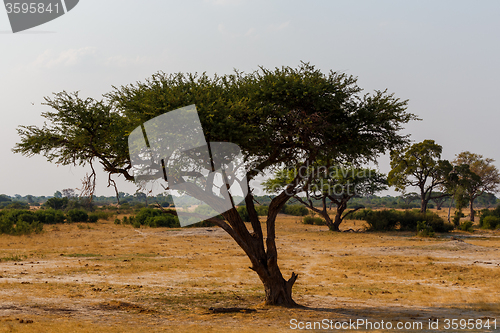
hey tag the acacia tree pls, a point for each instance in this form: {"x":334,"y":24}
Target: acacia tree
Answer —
{"x":408,"y":198}
{"x":286,"y":116}
{"x":439,"y":199}
{"x":329,"y":185}
{"x":489,"y":177}
{"x":419,"y":165}
{"x":458,"y":180}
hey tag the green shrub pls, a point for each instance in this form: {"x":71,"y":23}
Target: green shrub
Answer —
{"x":105,"y":215}
{"x":467,"y":226}
{"x":424,"y":230}
{"x":491,"y":222}
{"x":56,"y":203}
{"x":386,"y":220}
{"x":19,"y":222}
{"x":242,"y":210}
{"x":155,"y":218}
{"x":77,"y":215}
{"x":50,"y":216}
{"x":262,"y":210}
{"x":295,"y":210}
{"x":18,"y":205}
{"x":93,"y":217}
{"x":360,"y":214}
{"x":165,"y":220}
{"x":117,"y":221}
{"x":313,"y":220}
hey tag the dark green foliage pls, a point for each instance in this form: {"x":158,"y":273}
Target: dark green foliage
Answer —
{"x":78,"y":215}
{"x":57,"y":203}
{"x":386,"y":220}
{"x":424,"y":230}
{"x":491,"y":222}
{"x":490,"y":219}
{"x":19,"y":222}
{"x":93,"y":217}
{"x":295,"y":210}
{"x":467,"y":226}
{"x":17,"y":205}
{"x":50,"y":216}
{"x":262,"y":210}
{"x":117,"y":221}
{"x":155,"y":218}
{"x":313,"y":220}
{"x":242,"y":210}
{"x":102,"y":215}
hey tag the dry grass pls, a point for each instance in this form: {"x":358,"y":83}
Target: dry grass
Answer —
{"x":116,"y":278}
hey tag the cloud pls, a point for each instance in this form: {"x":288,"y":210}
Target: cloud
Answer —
{"x":67,"y":58}
{"x":279,"y":27}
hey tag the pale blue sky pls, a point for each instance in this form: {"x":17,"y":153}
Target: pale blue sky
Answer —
{"x":441,"y":55}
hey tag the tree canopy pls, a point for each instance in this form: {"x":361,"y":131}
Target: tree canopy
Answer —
{"x":281,"y":117}
{"x":488,"y":177}
{"x":419,"y":165}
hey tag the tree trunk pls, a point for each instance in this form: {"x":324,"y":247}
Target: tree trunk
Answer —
{"x":338,"y":216}
{"x":278,"y":290}
{"x":423,"y":205}
{"x":338,"y":220}
{"x":471,"y":207}
{"x":265,"y":263}
{"x":449,"y":210}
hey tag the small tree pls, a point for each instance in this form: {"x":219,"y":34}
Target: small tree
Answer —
{"x":419,"y":165}
{"x":439,"y":199}
{"x":68,"y":193}
{"x":457,"y":181}
{"x":408,"y":198}
{"x":330,"y":185}
{"x":488,"y":174}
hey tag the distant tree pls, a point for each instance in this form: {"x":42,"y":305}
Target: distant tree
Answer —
{"x":142,"y":197}
{"x":408,"y":198}
{"x":5,"y":198}
{"x":486,"y":200}
{"x":419,"y":165}
{"x":329,"y":185}
{"x":57,"y":203}
{"x":68,"y":193}
{"x":488,"y":174}
{"x":439,"y":199}
{"x":58,"y":194}
{"x":30,"y":199}
{"x":457,"y":181}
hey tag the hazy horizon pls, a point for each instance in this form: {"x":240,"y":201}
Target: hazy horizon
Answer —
{"x":441,"y":56}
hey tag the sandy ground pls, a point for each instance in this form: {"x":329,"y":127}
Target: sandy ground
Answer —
{"x":106,"y":277}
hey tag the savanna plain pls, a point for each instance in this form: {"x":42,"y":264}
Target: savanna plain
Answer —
{"x":96,"y":277}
